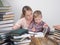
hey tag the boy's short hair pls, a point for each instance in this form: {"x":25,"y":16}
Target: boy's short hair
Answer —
{"x":37,"y":13}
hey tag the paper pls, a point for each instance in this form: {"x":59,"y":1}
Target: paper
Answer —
{"x":37,"y":34}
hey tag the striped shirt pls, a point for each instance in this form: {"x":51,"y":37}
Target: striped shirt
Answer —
{"x":38,"y":28}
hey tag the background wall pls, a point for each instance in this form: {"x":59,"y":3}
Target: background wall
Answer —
{"x":50,"y":9}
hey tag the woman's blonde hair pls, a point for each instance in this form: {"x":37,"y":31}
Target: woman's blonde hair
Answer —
{"x":24,"y":9}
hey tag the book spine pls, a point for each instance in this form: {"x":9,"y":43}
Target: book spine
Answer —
{"x":9,"y":28}
{"x":6,"y":25}
{"x":5,"y":22}
{"x":6,"y":18}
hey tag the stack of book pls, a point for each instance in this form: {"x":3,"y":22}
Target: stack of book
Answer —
{"x":6,"y":18}
{"x":22,"y":40}
{"x":55,"y":36}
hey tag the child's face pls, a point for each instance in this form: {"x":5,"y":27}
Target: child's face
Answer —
{"x":38,"y":19}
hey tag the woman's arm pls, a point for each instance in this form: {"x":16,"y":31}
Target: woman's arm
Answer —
{"x":17,"y":25}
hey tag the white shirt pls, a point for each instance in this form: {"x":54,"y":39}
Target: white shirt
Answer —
{"x":22,"y":22}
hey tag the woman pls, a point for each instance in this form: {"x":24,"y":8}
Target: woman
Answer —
{"x":26,"y":19}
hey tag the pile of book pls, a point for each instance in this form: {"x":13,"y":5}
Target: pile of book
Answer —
{"x":6,"y":18}
{"x":55,"y":36}
{"x":22,"y":40}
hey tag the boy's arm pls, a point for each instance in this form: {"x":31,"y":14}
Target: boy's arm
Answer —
{"x":48,"y":28}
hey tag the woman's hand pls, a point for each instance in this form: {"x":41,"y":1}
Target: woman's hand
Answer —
{"x":16,"y":27}
{"x":56,"y":27}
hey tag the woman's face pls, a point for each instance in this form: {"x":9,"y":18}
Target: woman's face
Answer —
{"x":29,"y":15}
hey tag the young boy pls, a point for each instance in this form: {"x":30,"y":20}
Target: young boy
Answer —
{"x":38,"y":25}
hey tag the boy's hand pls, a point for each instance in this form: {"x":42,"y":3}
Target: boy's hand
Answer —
{"x":33,"y":29}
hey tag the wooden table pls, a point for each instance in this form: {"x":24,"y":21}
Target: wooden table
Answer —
{"x":42,"y":41}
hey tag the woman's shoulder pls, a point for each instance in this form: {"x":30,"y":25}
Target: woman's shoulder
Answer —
{"x":21,"y":19}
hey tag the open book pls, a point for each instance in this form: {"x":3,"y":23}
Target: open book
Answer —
{"x":37,"y":34}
